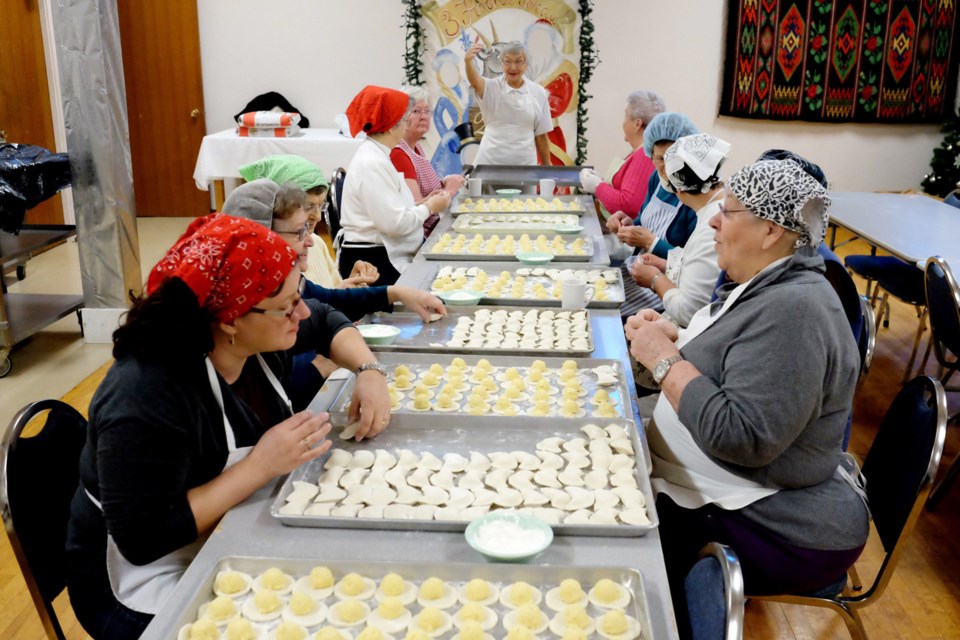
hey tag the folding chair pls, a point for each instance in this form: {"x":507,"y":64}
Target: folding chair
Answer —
{"x":943,"y":302}
{"x":40,"y":475}
{"x":334,"y":201}
{"x":714,"y":589}
{"x":899,"y":469}
{"x":893,"y":277}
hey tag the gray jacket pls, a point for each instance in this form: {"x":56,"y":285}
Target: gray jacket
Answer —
{"x":779,"y":371}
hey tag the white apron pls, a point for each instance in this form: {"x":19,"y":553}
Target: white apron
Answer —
{"x":508,"y":136}
{"x":680,"y":468}
{"x":145,"y":588}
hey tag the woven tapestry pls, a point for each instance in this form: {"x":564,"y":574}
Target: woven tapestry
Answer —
{"x":888,"y":61}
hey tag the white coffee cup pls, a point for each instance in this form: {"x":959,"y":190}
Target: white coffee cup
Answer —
{"x":475,"y":186}
{"x":547,"y":186}
{"x":574,"y":294}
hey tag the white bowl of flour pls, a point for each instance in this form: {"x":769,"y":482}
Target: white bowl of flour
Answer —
{"x":509,"y":536}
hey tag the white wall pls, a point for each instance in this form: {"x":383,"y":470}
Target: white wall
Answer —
{"x":319,"y":53}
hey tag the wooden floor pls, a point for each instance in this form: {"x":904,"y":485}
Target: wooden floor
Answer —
{"x":920,"y":602}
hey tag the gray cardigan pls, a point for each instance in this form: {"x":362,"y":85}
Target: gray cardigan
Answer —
{"x":779,"y":370}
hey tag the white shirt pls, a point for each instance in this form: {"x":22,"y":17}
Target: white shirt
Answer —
{"x":697,"y":271}
{"x":378,"y":208}
{"x":512,"y":117}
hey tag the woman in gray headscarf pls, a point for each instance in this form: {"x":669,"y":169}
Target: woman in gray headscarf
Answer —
{"x":746,"y":436}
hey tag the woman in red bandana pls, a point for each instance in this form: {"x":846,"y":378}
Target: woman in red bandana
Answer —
{"x":171,"y":444}
{"x":382,"y":223}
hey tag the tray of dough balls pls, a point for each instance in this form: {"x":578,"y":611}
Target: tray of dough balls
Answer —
{"x":516,"y":204}
{"x":494,"y":247}
{"x":486,"y":330}
{"x":539,"y":286}
{"x":584,"y":477}
{"x":499,"y":386}
{"x":513,"y":222}
{"x":290,"y":599}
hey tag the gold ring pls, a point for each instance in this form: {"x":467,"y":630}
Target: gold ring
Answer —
{"x":385,"y":421}
{"x":306,"y":445}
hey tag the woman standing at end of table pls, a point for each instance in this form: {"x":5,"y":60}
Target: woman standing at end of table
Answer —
{"x":516,"y":110}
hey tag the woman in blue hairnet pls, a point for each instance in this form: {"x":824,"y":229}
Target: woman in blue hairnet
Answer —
{"x":664,"y":222}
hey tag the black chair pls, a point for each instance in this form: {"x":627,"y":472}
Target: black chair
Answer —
{"x":334,"y":201}
{"x":892,"y":277}
{"x":899,"y":469}
{"x":714,"y":589}
{"x":943,"y":302}
{"x":40,"y":477}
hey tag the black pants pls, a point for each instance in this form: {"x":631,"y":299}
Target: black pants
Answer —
{"x":377,"y":256}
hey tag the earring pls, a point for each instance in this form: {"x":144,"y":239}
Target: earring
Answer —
{"x":233,"y":339}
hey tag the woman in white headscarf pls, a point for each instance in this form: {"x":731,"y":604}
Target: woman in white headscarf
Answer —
{"x":746,"y":436}
{"x":685,"y":280}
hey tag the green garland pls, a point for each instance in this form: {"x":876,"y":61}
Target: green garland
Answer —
{"x":589,"y":58}
{"x":413,"y":59}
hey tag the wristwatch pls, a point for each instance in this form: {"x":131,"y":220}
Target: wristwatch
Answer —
{"x":661,"y":369}
{"x":372,"y":366}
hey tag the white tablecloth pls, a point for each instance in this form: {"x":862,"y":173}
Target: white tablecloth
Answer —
{"x":223,"y":153}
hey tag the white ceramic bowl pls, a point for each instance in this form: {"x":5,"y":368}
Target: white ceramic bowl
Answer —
{"x":513,"y":520}
{"x":378,"y":334}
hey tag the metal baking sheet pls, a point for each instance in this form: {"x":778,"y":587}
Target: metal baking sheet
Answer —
{"x":513,"y":222}
{"x":544,"y":577}
{"x":428,"y":249}
{"x":615,"y":292}
{"x":465,"y":204}
{"x":518,"y":175}
{"x":417,"y":335}
{"x":439,"y":435}
{"x":420,"y":362}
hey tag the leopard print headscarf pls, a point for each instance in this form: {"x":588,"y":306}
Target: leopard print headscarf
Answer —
{"x":782,"y":192}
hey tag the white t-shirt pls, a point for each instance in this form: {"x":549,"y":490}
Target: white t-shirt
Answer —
{"x":512,"y":117}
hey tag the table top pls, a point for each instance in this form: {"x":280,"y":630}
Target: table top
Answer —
{"x":223,"y":153}
{"x":249,"y":530}
{"x":911,"y":227}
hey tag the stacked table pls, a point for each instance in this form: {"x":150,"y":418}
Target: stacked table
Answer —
{"x":253,"y":529}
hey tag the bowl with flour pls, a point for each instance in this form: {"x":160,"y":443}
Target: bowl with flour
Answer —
{"x":509,"y":536}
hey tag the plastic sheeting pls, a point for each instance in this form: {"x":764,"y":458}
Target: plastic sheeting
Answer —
{"x":87,"y":37}
{"x":28,"y":176}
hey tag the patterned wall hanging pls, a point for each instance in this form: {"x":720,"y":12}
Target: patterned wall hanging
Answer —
{"x":559,"y":40}
{"x":887,"y":61}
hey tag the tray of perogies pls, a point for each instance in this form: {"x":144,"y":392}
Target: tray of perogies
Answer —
{"x":281,"y":599}
{"x":493,"y":247}
{"x":538,"y":286}
{"x":485,"y":330}
{"x":582,"y":477}
{"x":498,"y":386}
{"x":534,"y":204}
{"x":513,"y":222}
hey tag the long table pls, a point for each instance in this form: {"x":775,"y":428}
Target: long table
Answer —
{"x":249,"y":530}
{"x":911,"y":227}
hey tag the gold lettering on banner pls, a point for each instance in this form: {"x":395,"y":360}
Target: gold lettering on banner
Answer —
{"x":453,"y":16}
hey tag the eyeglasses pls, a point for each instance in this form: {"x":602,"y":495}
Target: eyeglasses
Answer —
{"x":422,"y":112}
{"x":314,"y":207}
{"x":300,"y":233}
{"x":727,"y":212}
{"x":285,"y":313}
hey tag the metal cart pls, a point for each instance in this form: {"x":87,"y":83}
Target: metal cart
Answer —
{"x":23,"y":314}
